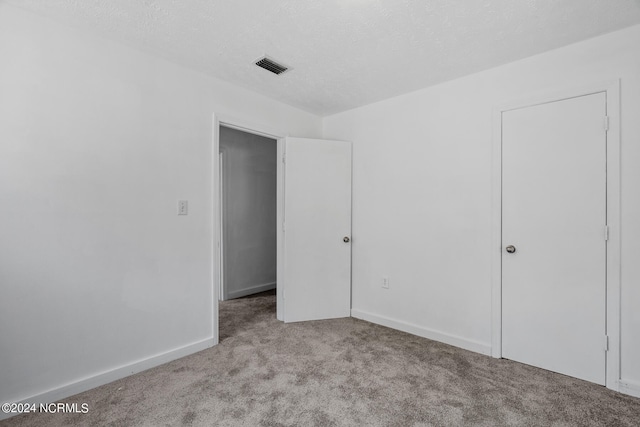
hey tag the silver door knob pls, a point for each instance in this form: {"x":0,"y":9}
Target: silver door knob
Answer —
{"x":511,"y":249}
{"x":346,"y":239}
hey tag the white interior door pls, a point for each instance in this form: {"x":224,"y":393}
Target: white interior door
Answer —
{"x":317,"y":229}
{"x":554,"y":215}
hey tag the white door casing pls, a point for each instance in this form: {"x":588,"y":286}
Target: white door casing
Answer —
{"x":317,"y":229}
{"x":221,"y":206}
{"x":554,"y":212}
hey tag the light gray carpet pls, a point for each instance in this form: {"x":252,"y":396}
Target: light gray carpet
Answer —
{"x":342,"y":372}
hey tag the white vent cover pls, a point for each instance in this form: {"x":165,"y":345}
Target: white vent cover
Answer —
{"x":271,"y":65}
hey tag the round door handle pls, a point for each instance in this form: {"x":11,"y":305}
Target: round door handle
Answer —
{"x":346,"y":239}
{"x":511,"y":249}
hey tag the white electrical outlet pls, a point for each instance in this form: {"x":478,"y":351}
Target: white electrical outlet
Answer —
{"x":385,"y":282}
{"x":183,"y":207}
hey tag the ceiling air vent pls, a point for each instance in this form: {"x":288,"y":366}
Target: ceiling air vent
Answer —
{"x":271,"y":65}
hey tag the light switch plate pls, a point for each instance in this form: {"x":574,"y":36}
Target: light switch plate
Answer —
{"x":183,"y":207}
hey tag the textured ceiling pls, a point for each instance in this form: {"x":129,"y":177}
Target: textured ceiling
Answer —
{"x":344,"y":53}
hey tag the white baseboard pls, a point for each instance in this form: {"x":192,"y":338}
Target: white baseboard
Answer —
{"x":102,"y":378}
{"x":632,"y":388}
{"x":400,"y":325}
{"x":251,"y":290}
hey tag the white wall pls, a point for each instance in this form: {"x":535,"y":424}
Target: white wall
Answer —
{"x":249,"y":218}
{"x":97,"y":143}
{"x":422,"y":193}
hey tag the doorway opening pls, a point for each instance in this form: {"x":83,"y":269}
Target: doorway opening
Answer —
{"x":313,"y":257}
{"x":248,"y":227}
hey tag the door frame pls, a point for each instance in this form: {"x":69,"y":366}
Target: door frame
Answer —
{"x":612,"y":319}
{"x":216,"y":283}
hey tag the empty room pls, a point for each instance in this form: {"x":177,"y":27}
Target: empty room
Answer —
{"x":320,"y":213}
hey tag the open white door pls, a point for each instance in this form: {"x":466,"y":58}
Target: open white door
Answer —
{"x":317,"y":229}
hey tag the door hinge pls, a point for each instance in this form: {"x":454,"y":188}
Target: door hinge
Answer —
{"x":606,"y":123}
{"x":284,"y":158}
{"x":283,"y":226}
{"x":606,"y":233}
{"x":606,"y":343}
